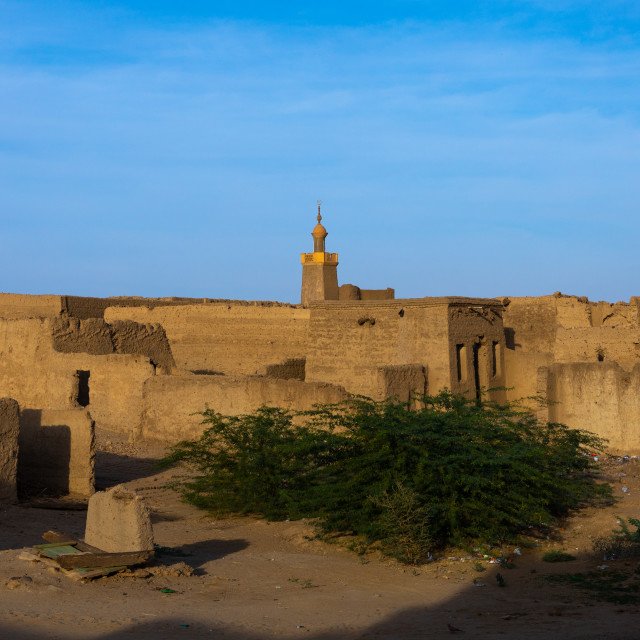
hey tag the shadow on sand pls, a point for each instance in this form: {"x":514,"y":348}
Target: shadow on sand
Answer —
{"x":112,"y":469}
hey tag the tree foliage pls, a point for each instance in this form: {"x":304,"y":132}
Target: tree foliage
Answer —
{"x":453,"y":472}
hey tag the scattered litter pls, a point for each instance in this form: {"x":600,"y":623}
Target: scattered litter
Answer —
{"x":167,"y":590}
{"x":624,"y":489}
{"x":453,"y":629}
{"x":602,"y":567}
{"x":80,"y":561}
{"x":517,"y":551}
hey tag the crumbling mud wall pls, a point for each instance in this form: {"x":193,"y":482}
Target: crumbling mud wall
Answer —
{"x":172,"y":404}
{"x":9,"y":433}
{"x":476,"y":349}
{"x":39,"y":377}
{"x":234,"y":339}
{"x":350,"y":341}
{"x":94,"y":336}
{"x":86,"y":307}
{"x":598,"y":396}
{"x":553,"y":329}
{"x":16,"y":306}
{"x":57,"y":452}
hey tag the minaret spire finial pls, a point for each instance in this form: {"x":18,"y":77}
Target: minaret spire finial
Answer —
{"x":319,"y":214}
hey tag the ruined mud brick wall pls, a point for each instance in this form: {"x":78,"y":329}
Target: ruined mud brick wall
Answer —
{"x":476,"y":349}
{"x":94,"y":336}
{"x":173,"y":403}
{"x":350,"y":342}
{"x":84,"y":307}
{"x":20,"y":306}
{"x":563,"y":329}
{"x":57,"y":452}
{"x":236,"y":339}
{"x":9,"y":432}
{"x":39,"y":377}
{"x":530,"y":328}
{"x":598,"y":396}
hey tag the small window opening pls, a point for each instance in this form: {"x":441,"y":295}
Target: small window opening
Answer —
{"x":401,"y":313}
{"x":461,"y":362}
{"x":83,"y":388}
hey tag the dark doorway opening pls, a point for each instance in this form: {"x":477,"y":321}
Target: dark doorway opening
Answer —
{"x":476,"y":370}
{"x":83,"y":388}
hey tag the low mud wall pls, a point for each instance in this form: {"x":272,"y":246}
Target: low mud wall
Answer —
{"x":173,"y":403}
{"x":57,"y":452}
{"x":599,"y":397}
{"x":235,"y":339}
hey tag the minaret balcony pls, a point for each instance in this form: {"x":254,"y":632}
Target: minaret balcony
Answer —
{"x":319,"y":257}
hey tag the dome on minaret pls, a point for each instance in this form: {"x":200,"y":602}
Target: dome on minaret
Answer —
{"x":319,"y":231}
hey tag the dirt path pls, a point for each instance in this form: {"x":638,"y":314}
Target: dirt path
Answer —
{"x":255,"y":580}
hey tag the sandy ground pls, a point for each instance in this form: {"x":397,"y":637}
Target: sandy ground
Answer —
{"x":259,"y":580}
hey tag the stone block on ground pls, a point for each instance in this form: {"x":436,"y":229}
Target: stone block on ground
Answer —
{"x":9,"y":433}
{"x":118,"y":520}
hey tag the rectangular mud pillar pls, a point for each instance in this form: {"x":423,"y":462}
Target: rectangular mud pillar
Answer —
{"x":9,"y":431}
{"x":57,"y":452}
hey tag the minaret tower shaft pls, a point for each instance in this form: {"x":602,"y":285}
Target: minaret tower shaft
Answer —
{"x":319,"y":269}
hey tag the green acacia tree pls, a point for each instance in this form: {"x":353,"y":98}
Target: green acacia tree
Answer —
{"x":453,"y":472}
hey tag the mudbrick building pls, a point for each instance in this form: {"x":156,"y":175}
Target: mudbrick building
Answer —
{"x":143,"y":367}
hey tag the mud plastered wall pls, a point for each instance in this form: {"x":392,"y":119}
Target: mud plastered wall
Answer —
{"x":39,"y":377}
{"x":476,"y":350}
{"x":226,"y":338}
{"x":563,"y":329}
{"x":351,"y":341}
{"x":600,"y":397}
{"x":57,"y":452}
{"x":403,"y":382}
{"x":9,"y":432}
{"x":16,"y":306}
{"x":172,"y":403}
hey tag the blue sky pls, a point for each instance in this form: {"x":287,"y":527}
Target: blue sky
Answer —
{"x":460,"y":148}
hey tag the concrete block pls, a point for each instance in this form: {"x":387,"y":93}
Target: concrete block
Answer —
{"x":9,"y":431}
{"x":118,"y":520}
